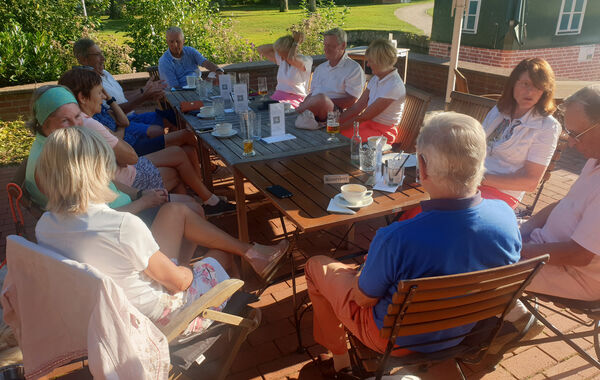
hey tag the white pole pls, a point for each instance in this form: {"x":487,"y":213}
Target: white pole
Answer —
{"x":458,"y":8}
{"x":84,"y":10}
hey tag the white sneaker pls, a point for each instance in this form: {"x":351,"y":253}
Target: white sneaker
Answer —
{"x":306,"y":120}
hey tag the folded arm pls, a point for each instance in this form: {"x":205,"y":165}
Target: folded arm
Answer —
{"x":563,"y":253}
{"x":162,"y":270}
{"x":525,"y":179}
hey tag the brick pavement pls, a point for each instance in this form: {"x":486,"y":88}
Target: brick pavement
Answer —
{"x":269,"y":352}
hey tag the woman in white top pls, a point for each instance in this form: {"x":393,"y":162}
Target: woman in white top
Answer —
{"x":521,"y":133}
{"x":294,"y":69}
{"x":74,"y":171}
{"x":379,"y":109}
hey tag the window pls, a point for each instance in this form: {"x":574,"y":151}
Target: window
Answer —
{"x":471,"y":16}
{"x":570,"y":17}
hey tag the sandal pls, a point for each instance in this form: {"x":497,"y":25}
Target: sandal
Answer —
{"x":264,"y":264}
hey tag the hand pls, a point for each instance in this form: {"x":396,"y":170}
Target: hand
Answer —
{"x":105,"y":94}
{"x":154,"y":197}
{"x":298,"y":37}
{"x":154,"y":90}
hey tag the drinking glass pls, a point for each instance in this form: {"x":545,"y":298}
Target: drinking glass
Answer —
{"x":262,"y":87}
{"x":246,"y":123}
{"x":244,"y":78}
{"x":333,"y":126}
{"x":367,"y":158}
{"x":191,"y":81}
{"x":219,"y":107}
{"x":394,"y":172}
{"x":256,"y":126}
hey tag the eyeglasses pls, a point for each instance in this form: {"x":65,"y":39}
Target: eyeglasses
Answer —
{"x":577,"y":136}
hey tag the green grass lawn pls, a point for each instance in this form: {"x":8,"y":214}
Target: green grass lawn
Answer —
{"x":263,"y":24}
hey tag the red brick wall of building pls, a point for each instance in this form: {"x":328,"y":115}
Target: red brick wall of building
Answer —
{"x":564,"y":60}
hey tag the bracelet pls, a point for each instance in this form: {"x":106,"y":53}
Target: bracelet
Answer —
{"x":111,"y":101}
{"x":139,"y":194}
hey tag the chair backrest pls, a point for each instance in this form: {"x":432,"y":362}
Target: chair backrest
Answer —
{"x":62,"y":310}
{"x":18,"y":196}
{"x":460,"y":84}
{"x":415,"y":107}
{"x":438,"y":303}
{"x":472,"y":105}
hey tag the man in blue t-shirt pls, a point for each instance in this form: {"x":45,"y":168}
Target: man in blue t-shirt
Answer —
{"x":457,"y":232}
{"x":180,"y":61}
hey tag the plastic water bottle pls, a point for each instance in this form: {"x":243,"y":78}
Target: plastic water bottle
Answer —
{"x":355,"y":143}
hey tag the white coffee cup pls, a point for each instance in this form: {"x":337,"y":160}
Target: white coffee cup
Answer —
{"x":223,"y":128}
{"x":354,"y":193}
{"x":207,"y":111}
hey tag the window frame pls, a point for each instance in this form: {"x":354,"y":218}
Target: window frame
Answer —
{"x":466,"y":15}
{"x":570,"y":31}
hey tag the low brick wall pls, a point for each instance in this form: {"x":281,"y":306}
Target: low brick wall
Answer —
{"x":424,"y":72}
{"x":564,"y":60}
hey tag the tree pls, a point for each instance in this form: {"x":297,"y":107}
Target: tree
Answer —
{"x":283,"y":6}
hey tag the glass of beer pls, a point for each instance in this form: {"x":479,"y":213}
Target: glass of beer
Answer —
{"x":246,"y":124}
{"x":333,"y":126}
{"x":262,"y":87}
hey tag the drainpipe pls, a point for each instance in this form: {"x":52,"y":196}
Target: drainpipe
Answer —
{"x":458,"y":10}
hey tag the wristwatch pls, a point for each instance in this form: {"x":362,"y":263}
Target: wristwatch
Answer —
{"x":111,"y":101}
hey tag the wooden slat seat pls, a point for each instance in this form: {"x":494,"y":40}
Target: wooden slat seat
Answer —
{"x":472,"y":105}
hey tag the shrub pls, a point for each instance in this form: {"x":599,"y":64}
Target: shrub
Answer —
{"x":35,"y":37}
{"x":15,"y":142}
{"x":327,"y":16}
{"x":204,"y":29}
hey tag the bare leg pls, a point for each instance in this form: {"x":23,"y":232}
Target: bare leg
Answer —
{"x":176,"y":221}
{"x":226,"y":261}
{"x":190,"y":202}
{"x":155,"y":131}
{"x":187,"y":140}
{"x":319,"y":105}
{"x":170,"y":179}
{"x":175,"y":157}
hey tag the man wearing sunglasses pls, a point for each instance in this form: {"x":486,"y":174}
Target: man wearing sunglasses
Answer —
{"x":569,"y":229}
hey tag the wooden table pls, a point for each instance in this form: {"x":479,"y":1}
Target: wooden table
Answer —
{"x":307,"y":208}
{"x":358,"y":53}
{"x":230,"y":149}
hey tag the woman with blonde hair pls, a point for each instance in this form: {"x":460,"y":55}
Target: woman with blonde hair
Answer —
{"x":294,"y":69}
{"x":74,"y":170}
{"x":521,"y":133}
{"x":379,"y":109}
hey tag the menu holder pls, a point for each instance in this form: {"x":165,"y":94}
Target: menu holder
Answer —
{"x":277,"y":118}
{"x":240,"y":97}
{"x":225,"y":85}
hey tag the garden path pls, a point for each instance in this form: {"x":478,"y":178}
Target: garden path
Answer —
{"x":417,"y":16}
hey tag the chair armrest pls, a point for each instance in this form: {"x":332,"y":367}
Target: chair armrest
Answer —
{"x":213,"y":298}
{"x":230,"y":319}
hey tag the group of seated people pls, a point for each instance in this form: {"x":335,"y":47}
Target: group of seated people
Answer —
{"x":113,"y":209}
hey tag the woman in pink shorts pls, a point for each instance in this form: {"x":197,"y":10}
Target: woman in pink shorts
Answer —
{"x":294,"y":69}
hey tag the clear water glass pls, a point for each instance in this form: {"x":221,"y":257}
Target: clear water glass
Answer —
{"x":219,"y":107}
{"x":367,"y":158}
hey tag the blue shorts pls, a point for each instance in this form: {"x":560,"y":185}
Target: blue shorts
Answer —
{"x":146,"y":145}
{"x":148,"y":215}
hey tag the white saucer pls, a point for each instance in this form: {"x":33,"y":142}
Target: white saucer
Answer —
{"x":201,"y":116}
{"x":232,"y":133}
{"x":189,"y":87}
{"x":344,"y":203}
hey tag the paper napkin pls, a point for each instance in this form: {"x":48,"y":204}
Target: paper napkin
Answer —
{"x":335,"y":207}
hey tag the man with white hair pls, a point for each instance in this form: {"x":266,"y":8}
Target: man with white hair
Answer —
{"x":457,"y":232}
{"x":180,"y":61}
{"x":337,"y":83}
{"x":568,"y":230}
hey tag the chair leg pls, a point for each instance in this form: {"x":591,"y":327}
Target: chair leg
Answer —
{"x":596,"y":338}
{"x":460,"y":371}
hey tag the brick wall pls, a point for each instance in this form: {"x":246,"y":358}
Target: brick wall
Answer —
{"x":564,"y":60}
{"x":424,"y":72}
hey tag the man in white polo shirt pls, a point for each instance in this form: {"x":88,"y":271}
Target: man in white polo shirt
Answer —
{"x":569,"y":230}
{"x":338,"y":82}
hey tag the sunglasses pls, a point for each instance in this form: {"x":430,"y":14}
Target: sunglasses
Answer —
{"x":577,"y":136}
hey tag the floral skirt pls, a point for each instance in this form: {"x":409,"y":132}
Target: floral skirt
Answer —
{"x":207,"y":274}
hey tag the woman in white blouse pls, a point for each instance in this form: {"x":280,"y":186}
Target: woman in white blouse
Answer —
{"x":294,"y":69}
{"x":379,"y":109}
{"x":521,"y":133}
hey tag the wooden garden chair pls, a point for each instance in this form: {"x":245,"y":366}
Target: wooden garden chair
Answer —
{"x":19,"y":199}
{"x":472,"y":105}
{"x":415,"y":107}
{"x":229,"y":330}
{"x":438,"y":303}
